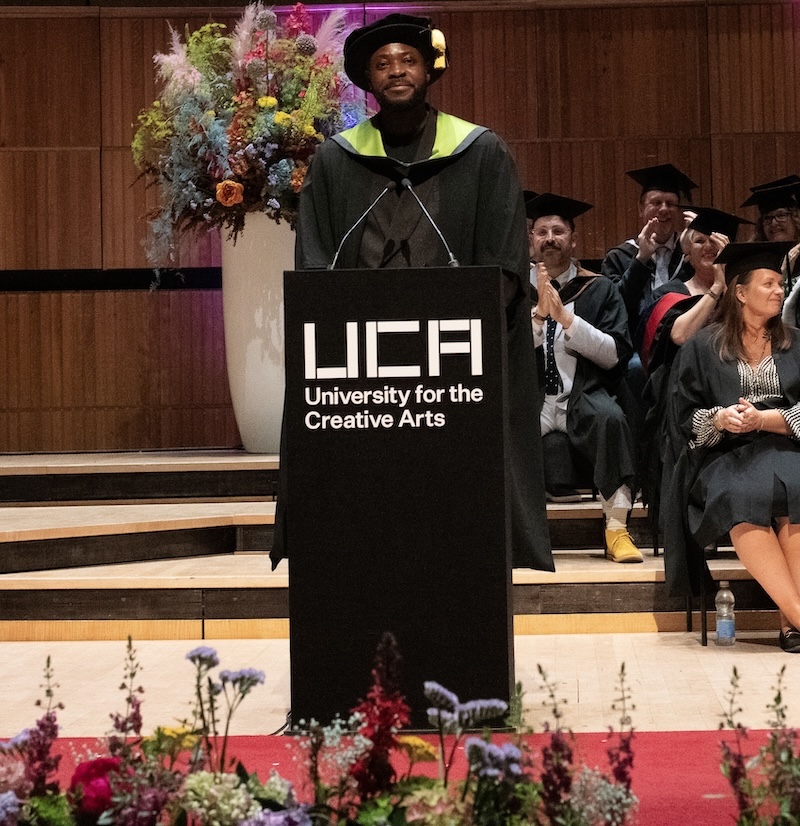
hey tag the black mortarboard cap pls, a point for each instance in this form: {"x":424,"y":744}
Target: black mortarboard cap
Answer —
{"x":549,"y":204}
{"x":665,"y":177}
{"x":710,"y":220}
{"x":418,"y":32}
{"x":775,"y":194}
{"x":529,"y":195}
{"x":757,"y":255}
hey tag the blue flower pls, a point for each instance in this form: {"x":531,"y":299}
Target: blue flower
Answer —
{"x":203,"y":655}
{"x":9,"y":807}
{"x":440,"y":696}
{"x":17,"y":742}
{"x":242,"y":679}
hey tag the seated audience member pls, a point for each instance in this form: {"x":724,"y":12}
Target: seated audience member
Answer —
{"x":779,"y":220}
{"x":580,"y":323}
{"x":734,"y":418}
{"x":641,"y":265}
{"x":680,"y":309}
{"x":778,"y":213}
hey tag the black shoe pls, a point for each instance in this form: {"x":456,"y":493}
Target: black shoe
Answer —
{"x":790,"y":641}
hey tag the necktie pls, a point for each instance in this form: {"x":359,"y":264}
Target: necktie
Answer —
{"x":662,"y":266}
{"x":552,"y":380}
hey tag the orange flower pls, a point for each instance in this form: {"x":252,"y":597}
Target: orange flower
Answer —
{"x":298,"y":176}
{"x":230,"y":193}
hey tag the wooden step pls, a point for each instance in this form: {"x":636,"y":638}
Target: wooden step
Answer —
{"x":142,"y":475}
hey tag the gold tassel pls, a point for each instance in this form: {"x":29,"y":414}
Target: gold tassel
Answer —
{"x":440,"y":47}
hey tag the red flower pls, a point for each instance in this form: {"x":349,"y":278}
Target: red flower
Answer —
{"x":90,"y":789}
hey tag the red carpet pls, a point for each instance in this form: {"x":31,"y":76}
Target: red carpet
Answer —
{"x":676,"y":775}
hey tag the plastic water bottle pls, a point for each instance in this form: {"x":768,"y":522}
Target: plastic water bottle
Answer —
{"x":726,"y":625}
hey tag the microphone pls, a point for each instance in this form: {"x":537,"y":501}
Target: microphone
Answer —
{"x":390,"y":187}
{"x":452,"y":262}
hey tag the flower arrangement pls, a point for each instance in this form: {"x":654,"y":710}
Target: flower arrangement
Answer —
{"x":239,"y":118}
{"x":362,"y":771}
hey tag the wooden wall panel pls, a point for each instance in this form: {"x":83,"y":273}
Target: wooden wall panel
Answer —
{"x":754,"y":68}
{"x":50,"y":81}
{"x":50,"y":212}
{"x":113,"y":370}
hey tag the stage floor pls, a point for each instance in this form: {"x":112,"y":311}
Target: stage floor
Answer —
{"x":675,"y":683}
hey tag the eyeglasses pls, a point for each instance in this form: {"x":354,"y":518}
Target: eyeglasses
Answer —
{"x":779,"y":217}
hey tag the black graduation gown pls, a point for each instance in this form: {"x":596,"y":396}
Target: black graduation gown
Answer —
{"x":700,"y":380}
{"x":474,"y":196}
{"x":633,"y":277}
{"x":596,"y":423}
{"x":658,"y":354}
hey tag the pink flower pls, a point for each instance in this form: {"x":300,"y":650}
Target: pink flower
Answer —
{"x":90,"y":788}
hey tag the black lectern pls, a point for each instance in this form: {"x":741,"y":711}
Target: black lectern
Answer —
{"x":395,"y":459}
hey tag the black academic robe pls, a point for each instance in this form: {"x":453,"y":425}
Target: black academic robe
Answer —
{"x":659,"y":351}
{"x":634,"y":279}
{"x":596,"y":424}
{"x":700,"y":381}
{"x":471,"y":188}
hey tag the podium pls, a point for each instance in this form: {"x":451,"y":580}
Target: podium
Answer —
{"x":394,"y":450}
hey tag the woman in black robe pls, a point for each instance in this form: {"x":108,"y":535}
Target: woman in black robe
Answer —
{"x":680,"y":309}
{"x":734,"y":420}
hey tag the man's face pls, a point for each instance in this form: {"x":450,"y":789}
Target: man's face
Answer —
{"x":398,"y":77}
{"x":553,"y":243}
{"x":663,"y":206}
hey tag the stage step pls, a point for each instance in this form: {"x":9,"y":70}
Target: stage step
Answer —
{"x":174,"y":567}
{"x":142,"y":475}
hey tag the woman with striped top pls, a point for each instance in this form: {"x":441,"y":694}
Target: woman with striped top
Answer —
{"x":734,"y":421}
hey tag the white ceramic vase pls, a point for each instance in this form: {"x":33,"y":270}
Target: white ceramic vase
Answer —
{"x":252,"y":302}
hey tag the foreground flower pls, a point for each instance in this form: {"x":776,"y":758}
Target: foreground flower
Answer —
{"x":90,"y":787}
{"x":218,"y":799}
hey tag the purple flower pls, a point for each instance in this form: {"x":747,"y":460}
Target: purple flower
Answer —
{"x":477,"y":712}
{"x":9,"y":809}
{"x":440,"y":696}
{"x":17,"y":742}
{"x":243,"y":677}
{"x":203,"y":655}
{"x":287,"y":817}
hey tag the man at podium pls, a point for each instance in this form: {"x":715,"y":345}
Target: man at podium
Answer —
{"x":414,"y":187}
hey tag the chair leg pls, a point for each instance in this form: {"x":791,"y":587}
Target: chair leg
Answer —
{"x":703,"y":614}
{"x":689,"y":619}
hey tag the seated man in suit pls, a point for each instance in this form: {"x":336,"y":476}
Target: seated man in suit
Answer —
{"x":580,"y":323}
{"x":641,"y":265}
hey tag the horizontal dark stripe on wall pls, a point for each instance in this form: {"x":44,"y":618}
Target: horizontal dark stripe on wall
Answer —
{"x":199,"y":278}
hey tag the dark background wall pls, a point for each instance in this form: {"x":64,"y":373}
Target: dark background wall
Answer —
{"x":581,"y":91}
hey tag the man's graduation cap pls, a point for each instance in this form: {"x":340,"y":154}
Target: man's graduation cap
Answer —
{"x":418,"y":32}
{"x":549,"y":204}
{"x":664,"y":177}
{"x":710,"y":220}
{"x":757,"y":255}
{"x":781,"y":193}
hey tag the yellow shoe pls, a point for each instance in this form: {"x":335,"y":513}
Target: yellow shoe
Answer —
{"x":620,"y":547}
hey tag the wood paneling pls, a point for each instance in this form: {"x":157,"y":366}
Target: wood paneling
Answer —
{"x":113,"y":370}
{"x":50,"y":81}
{"x":754,"y":68}
{"x":50,"y":210}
